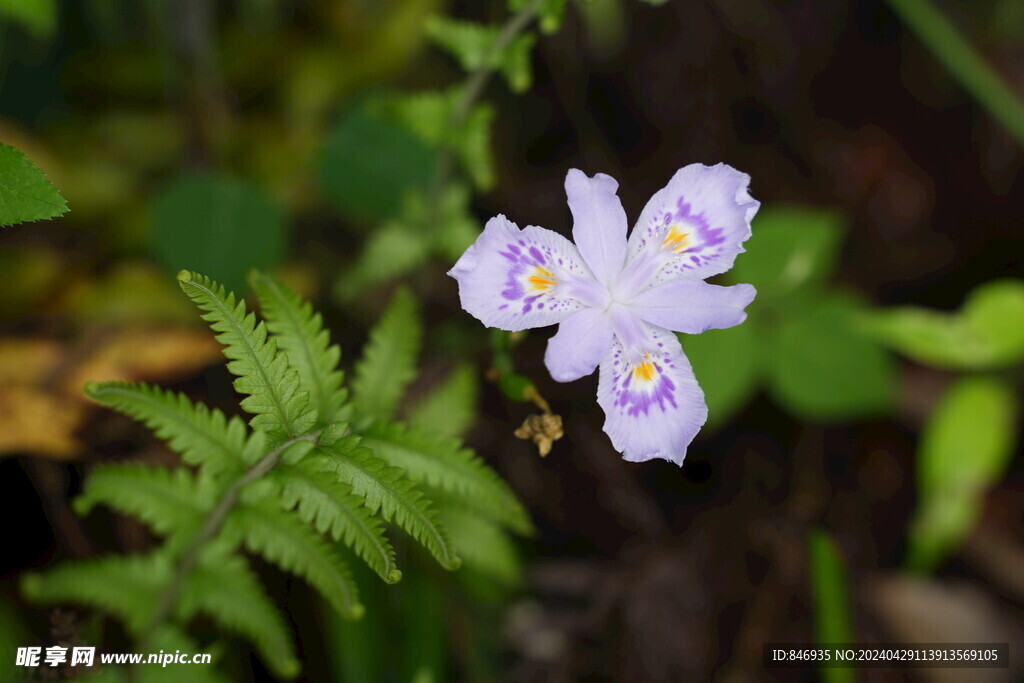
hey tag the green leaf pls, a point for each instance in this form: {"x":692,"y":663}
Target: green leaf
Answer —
{"x":450,"y":408}
{"x":217,"y":224}
{"x":987,"y":333}
{"x":203,"y":436}
{"x":271,"y":386}
{"x":792,"y":247}
{"x":369,"y":164}
{"x":393,"y":250}
{"x":227,"y":591}
{"x":485,"y":546}
{"x":830,"y":587}
{"x":821,"y":368}
{"x":25,"y":193}
{"x":443,"y":464}
{"x":388,"y":363}
{"x":549,"y":14}
{"x":300,"y":333}
{"x":472,"y":144}
{"x":282,"y":539}
{"x":387,"y":489}
{"x":725,"y":363}
{"x":965,"y":447}
{"x":127,"y":586}
{"x":331,"y":507}
{"x":167,"y":501}
{"x":473,"y":46}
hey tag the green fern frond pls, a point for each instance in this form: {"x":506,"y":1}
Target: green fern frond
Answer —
{"x":203,"y":436}
{"x":386,"y":489}
{"x":271,"y":386}
{"x":167,"y":501}
{"x":300,"y":333}
{"x":281,"y":538}
{"x":444,"y":464}
{"x":389,"y":359}
{"x":331,"y":507}
{"x":485,"y":547}
{"x":226,"y":590}
{"x":126,"y":586}
{"x":448,"y":410}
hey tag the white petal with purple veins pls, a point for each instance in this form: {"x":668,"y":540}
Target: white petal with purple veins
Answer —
{"x":692,"y":228}
{"x":519,"y":279}
{"x":653,"y":407}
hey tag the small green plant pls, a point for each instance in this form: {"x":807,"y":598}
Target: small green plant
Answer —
{"x":315,"y":477}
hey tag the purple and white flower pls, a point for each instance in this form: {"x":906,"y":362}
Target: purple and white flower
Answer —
{"x":618,"y":301}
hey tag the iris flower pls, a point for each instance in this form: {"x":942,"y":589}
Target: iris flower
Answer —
{"x":617,"y":302}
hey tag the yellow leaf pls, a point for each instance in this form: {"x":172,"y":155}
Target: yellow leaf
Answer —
{"x":33,"y":421}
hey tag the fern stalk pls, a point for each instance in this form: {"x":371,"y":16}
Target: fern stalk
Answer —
{"x":211,"y":527}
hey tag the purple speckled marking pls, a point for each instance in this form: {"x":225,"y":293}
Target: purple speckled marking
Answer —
{"x":660,"y":391}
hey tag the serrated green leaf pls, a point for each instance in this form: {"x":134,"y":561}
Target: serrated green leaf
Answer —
{"x":449,"y":409}
{"x":300,"y":333}
{"x":791,"y":248}
{"x":282,"y":539}
{"x":217,"y":224}
{"x":167,"y":501}
{"x":226,"y":590}
{"x":38,"y":16}
{"x":388,"y":363}
{"x":127,"y":586}
{"x":443,"y":464}
{"x":331,"y":507}
{"x":25,"y":193}
{"x":472,"y":144}
{"x":987,"y":333}
{"x":386,"y":489}
{"x":549,"y":14}
{"x":725,"y":363}
{"x":471,"y":43}
{"x":516,"y":65}
{"x":272,"y":389}
{"x":369,"y":164}
{"x":203,"y":436}
{"x":820,"y":367}
{"x":965,"y":447}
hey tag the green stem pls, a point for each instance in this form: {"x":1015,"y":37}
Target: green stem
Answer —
{"x":964,"y":63}
{"x":471,"y":92}
{"x":211,"y":527}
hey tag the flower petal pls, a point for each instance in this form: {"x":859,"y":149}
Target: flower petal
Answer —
{"x":582,"y":340}
{"x":599,"y":222}
{"x":518,"y":279}
{"x":692,"y":306}
{"x":654,"y":407}
{"x":692,"y":228}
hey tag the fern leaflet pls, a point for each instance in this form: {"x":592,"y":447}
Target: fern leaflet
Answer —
{"x":167,"y":501}
{"x":386,"y":489}
{"x":203,"y":436}
{"x":300,"y":333}
{"x":331,"y":507}
{"x":280,"y":538}
{"x":271,"y":386}
{"x":225,"y":589}
{"x":389,"y":359}
{"x":443,"y":464}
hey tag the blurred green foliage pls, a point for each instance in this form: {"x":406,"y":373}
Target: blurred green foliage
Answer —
{"x":830,"y":588}
{"x":965,"y":448}
{"x":38,"y":16}
{"x":801,"y":340}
